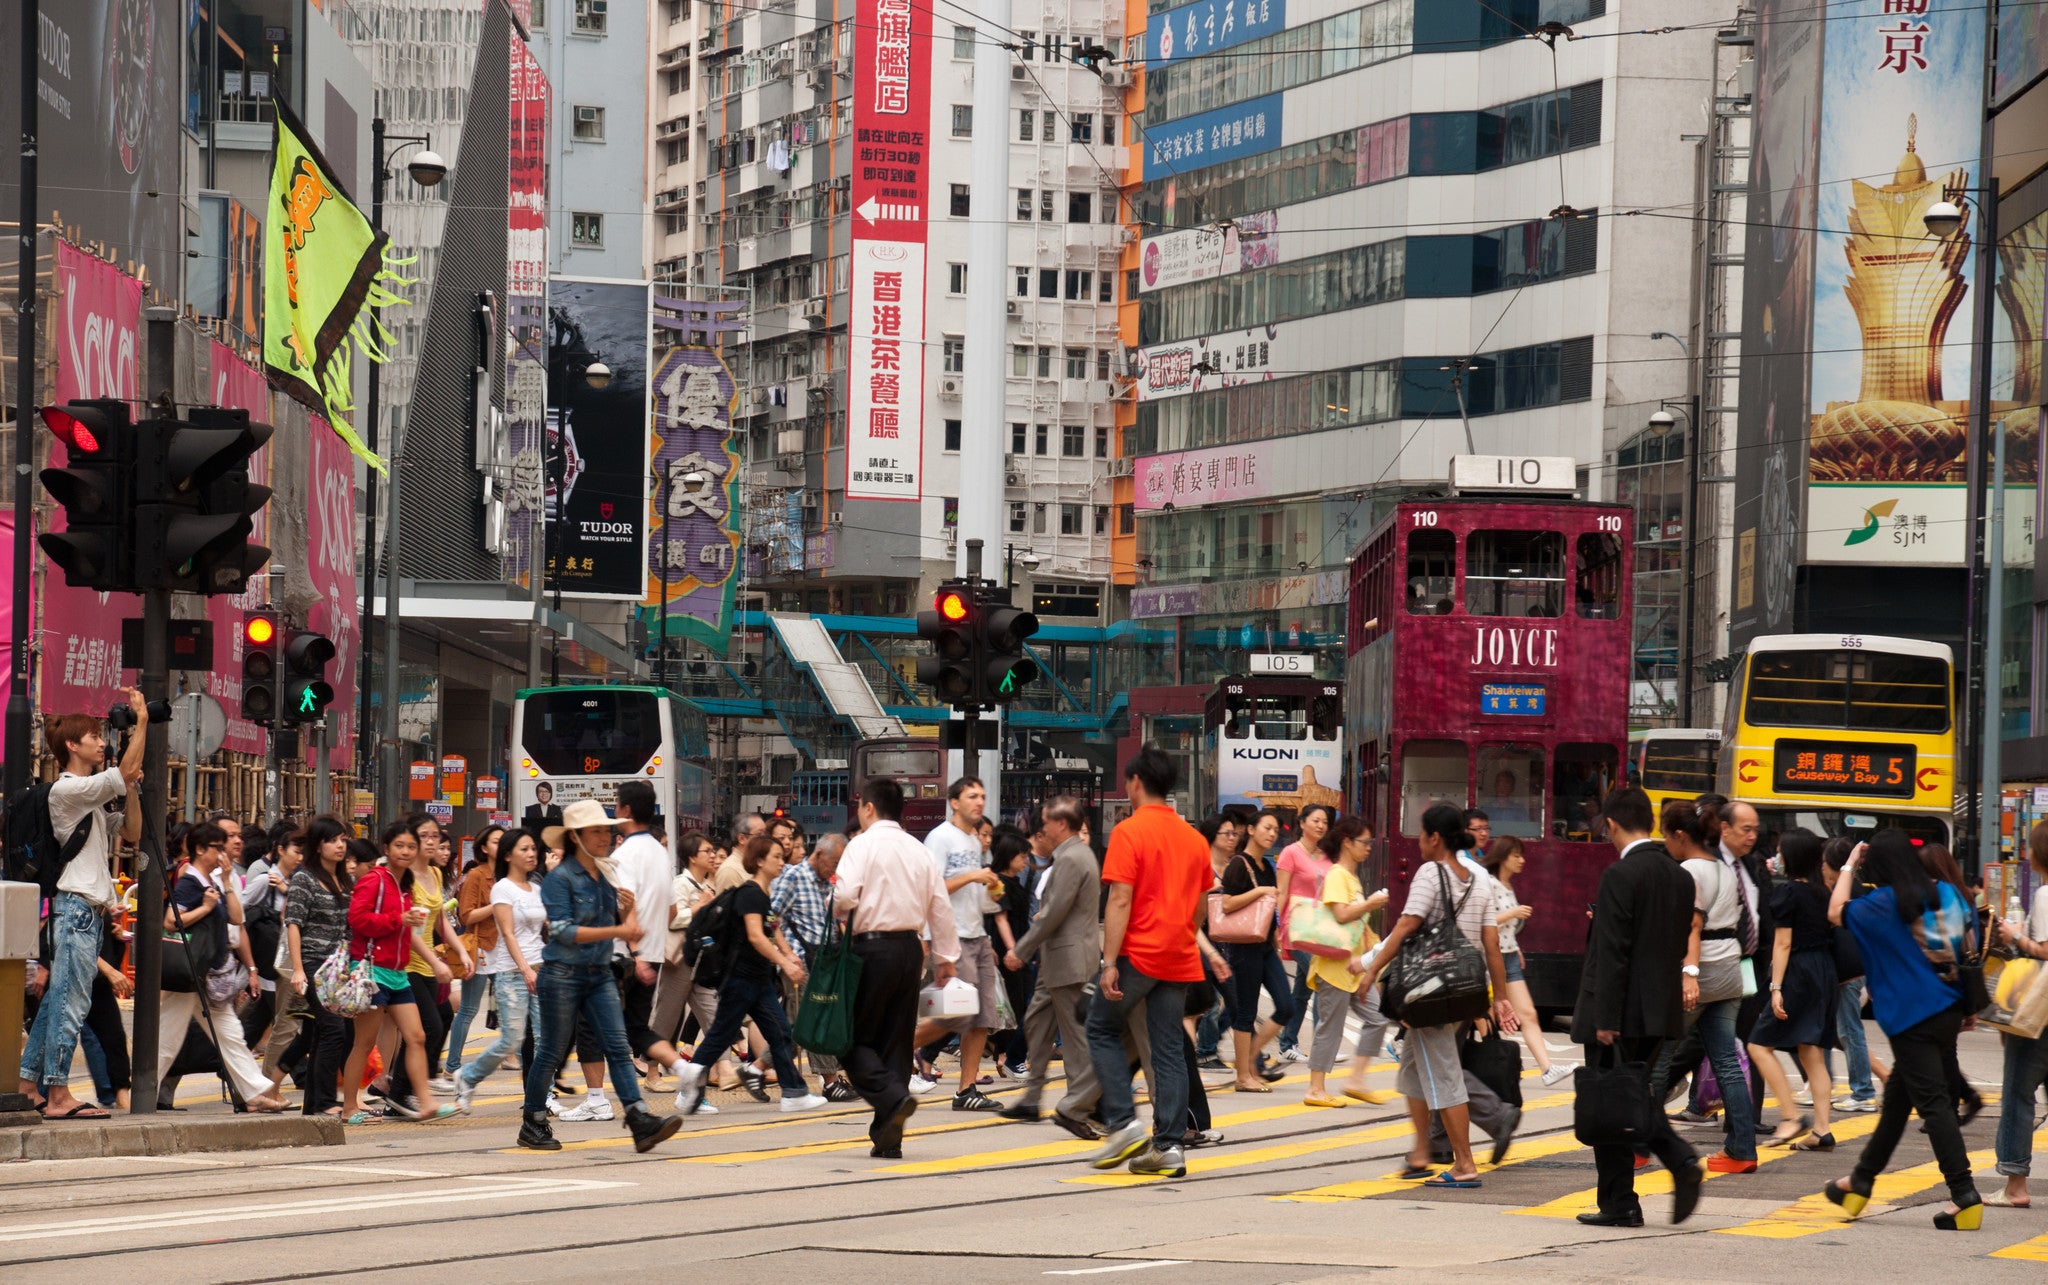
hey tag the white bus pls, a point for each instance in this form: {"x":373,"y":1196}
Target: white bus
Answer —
{"x":582,"y":742}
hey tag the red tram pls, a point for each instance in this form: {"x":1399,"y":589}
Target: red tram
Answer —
{"x":1488,"y":666}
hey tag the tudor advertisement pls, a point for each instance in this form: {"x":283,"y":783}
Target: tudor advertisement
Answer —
{"x":891,"y":197}
{"x":596,"y":457}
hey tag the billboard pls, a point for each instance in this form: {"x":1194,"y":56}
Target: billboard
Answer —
{"x":1888,"y":398}
{"x":1213,"y":361}
{"x":2022,"y":48}
{"x":694,"y":551}
{"x":595,"y":460}
{"x":1213,"y":137}
{"x":331,"y":566}
{"x":1211,"y":475}
{"x":1777,"y":310}
{"x":1205,"y":253}
{"x":891,"y":195}
{"x":1209,"y":25}
{"x":108,"y":128}
{"x":526,"y":298}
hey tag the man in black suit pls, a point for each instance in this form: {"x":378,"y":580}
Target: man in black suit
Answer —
{"x":1629,"y":996}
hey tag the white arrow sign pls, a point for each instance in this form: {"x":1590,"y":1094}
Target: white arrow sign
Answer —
{"x":868,"y":209}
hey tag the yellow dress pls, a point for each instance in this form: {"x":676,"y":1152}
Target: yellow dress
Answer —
{"x":1341,"y":888}
{"x":427,"y":891}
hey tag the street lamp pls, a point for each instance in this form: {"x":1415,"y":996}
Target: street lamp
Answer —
{"x":426,"y":169}
{"x":1661,"y":421}
{"x":1011,"y":557}
{"x":597,"y":375}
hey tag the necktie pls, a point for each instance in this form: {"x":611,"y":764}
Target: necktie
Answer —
{"x":1745,"y":923}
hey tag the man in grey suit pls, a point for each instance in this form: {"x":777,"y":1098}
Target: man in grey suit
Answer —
{"x":1066,"y":936}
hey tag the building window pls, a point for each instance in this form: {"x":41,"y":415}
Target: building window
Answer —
{"x":1029,"y":40}
{"x":1073,"y":441}
{"x":1048,"y":283}
{"x":958,"y":204}
{"x":1045,"y":206}
{"x":676,"y":151}
{"x":1105,"y":291}
{"x":1108,"y":128}
{"x":1102,"y":519}
{"x":1070,"y":519}
{"x":586,"y":229}
{"x":1077,"y":366}
{"x":1041,"y":439}
{"x":1038,"y":519}
{"x":1066,"y":600}
{"x":954,"y":355}
{"x":1020,"y":360}
{"x":677,"y":80}
{"x":1017,"y":432}
{"x":539,"y":19}
{"x":963,"y":120}
{"x":590,"y":16}
{"x":1017,"y":517}
{"x":1102,"y":364}
{"x":590,"y":124}
{"x":1080,"y":285}
{"x":1126,"y":519}
{"x":1023,"y":284}
{"x":1111,"y":203}
{"x":952,"y":434}
{"x":963,"y":42}
{"x":956,"y":278}
{"x":1027,"y":125}
{"x":1023,"y":205}
{"x":1050,"y":122}
{"x":1044,"y":367}
{"x":1101,"y":442}
{"x":1080,"y":207}
{"x":1081,"y":127}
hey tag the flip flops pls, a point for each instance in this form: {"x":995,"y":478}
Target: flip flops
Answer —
{"x":1445,"y":1179}
{"x":80,"y":1111}
{"x":1413,"y":1173}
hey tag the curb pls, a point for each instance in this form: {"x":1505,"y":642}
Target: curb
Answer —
{"x":118,"y":1137}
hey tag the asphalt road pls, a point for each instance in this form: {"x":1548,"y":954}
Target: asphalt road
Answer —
{"x":1295,"y":1194}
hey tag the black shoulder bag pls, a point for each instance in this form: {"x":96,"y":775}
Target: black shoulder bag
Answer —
{"x":1439,"y":978}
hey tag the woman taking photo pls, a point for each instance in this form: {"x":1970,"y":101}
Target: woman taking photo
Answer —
{"x":1504,"y":861}
{"x":1247,"y":880}
{"x":1801,"y":1018}
{"x":1347,"y":844}
{"x":480,"y":926}
{"x":1915,"y":937}
{"x":511,"y":961}
{"x":316,"y":925}
{"x":1431,"y":1076}
{"x":386,"y":928}
{"x":1301,"y":869}
{"x":2026,"y":1061}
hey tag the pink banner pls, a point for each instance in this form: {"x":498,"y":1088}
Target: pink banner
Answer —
{"x":236,"y":384}
{"x":1216,"y":475}
{"x":331,"y":562}
{"x":98,"y":333}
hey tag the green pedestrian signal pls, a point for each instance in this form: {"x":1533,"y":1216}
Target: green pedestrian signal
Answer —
{"x":306,"y":690}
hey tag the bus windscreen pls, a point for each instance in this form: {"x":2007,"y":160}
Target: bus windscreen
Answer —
{"x":1678,"y":766}
{"x":1864,"y":691}
{"x":591,"y":731}
{"x":901,"y":762}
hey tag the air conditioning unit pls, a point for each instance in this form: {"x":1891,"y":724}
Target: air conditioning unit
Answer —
{"x":819,"y":77}
{"x":790,"y":463}
{"x":756,"y":401}
{"x":1013,"y":479}
{"x":1013,"y":307}
{"x":814,"y":310}
{"x":588,"y":115}
{"x":949,"y":387}
{"x":1121,"y":466}
{"x":1016,"y":71}
{"x":1116,"y":78}
{"x":707,"y":43}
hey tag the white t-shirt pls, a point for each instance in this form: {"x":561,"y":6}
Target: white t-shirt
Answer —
{"x":2037,"y":921}
{"x":1715,"y":888}
{"x":644,"y":869}
{"x":1505,"y":900}
{"x":72,"y":799}
{"x":529,"y":917}
{"x":958,"y":852}
{"x":1425,"y":899}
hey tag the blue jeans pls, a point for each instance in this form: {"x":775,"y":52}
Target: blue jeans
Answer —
{"x":96,"y":1065}
{"x":1304,"y":998}
{"x":472,"y":1004}
{"x":761,"y":999}
{"x":516,"y":1008}
{"x":1209,"y":1030}
{"x":1855,"y":1046}
{"x":1717,"y":1031}
{"x":1163,"y":1003}
{"x":568,"y":991}
{"x":75,"y":925}
{"x":2026,"y":1066}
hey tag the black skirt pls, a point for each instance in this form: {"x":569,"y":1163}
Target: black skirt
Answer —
{"x":1809,"y":997}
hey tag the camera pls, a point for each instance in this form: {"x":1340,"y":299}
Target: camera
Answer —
{"x":122,"y":716}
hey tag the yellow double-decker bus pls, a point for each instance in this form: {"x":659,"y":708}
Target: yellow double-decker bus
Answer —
{"x":1673,"y":763}
{"x":1843,"y":733}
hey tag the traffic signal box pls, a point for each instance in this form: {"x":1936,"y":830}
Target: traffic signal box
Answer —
{"x":977,"y":638}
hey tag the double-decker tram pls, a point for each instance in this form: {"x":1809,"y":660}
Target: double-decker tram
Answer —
{"x":1843,"y":733}
{"x":1488,"y":666}
{"x":1273,"y":742}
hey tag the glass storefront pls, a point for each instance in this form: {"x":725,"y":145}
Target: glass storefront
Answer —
{"x":1239,"y":540}
{"x":1650,"y":478}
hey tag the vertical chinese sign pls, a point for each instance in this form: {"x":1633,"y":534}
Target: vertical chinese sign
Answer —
{"x":331,"y":567}
{"x":237,"y":385}
{"x":891,"y":201}
{"x":526,"y":297}
{"x":1902,"y":89}
{"x":694,"y":551}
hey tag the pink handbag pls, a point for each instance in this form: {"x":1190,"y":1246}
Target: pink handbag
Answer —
{"x":1245,"y":926}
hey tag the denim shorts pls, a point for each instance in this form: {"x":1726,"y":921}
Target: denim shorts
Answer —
{"x":386,"y":997}
{"x":1513,"y":960}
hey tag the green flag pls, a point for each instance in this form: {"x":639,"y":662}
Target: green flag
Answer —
{"x":322,"y":264}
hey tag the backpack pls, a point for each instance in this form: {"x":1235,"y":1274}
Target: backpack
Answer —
{"x":715,"y":933}
{"x":33,"y":852}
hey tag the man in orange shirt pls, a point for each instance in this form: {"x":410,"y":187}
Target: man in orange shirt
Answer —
{"x":1157,"y":870}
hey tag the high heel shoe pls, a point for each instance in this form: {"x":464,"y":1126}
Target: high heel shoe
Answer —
{"x":1800,"y":1127}
{"x":1816,"y":1142}
{"x":1969,"y":1218}
{"x":1851,"y":1200}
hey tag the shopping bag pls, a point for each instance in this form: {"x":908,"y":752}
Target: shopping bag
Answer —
{"x":824,"y":1021}
{"x":1312,"y":927}
{"x":2019,"y":998}
{"x":1612,"y":1105}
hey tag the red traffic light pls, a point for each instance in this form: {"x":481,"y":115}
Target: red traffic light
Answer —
{"x":259,"y":630}
{"x":71,"y":430}
{"x":953,"y":605}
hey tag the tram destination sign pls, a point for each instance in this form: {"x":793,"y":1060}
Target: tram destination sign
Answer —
{"x":1843,"y":767}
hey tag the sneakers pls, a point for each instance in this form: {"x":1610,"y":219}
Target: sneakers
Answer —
{"x":808,"y":1102}
{"x":755,"y":1083}
{"x":1803,"y":1098}
{"x":1161,"y":1164}
{"x":1021,"y":1112}
{"x":590,"y":1109}
{"x":648,"y":1129}
{"x":441,"y":1084}
{"x":1854,"y":1106}
{"x":919,"y":1086}
{"x":973,"y":1099}
{"x":534,"y":1133}
{"x":690,"y":1088}
{"x":1211,"y":1062}
{"x":1556,"y":1075}
{"x":840,"y":1091}
{"x":1722,"y":1162}
{"x":1293,"y":1055}
{"x":554,"y":1105}
{"x":1121,"y":1146}
{"x":464,"y":1091}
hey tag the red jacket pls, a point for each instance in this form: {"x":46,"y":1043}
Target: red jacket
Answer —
{"x":376,"y":921}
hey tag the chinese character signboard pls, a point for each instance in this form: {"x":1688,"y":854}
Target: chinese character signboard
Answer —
{"x":1888,"y":402}
{"x":525,"y":309}
{"x":331,"y":566}
{"x":891,"y":201}
{"x":1843,"y":767}
{"x":1213,"y":137}
{"x":2022,"y":48}
{"x":1213,"y":361}
{"x":595,"y":457}
{"x":1199,"y":254}
{"x":694,"y":548}
{"x":1209,"y":25}
{"x":1524,"y":699}
{"x":1214,"y":475}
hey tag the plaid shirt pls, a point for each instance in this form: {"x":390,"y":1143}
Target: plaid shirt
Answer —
{"x":805,"y":903}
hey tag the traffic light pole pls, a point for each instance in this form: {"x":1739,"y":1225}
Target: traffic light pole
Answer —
{"x":155,"y":682}
{"x":17,"y":742}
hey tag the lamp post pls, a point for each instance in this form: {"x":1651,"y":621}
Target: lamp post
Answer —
{"x":18,"y":715}
{"x":1661,"y":422}
{"x":427,"y":169}
{"x":1011,"y":557}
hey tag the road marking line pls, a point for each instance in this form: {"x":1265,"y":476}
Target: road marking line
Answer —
{"x":217,"y":1214}
{"x":1122,"y":1267}
{"x":366,"y":1169}
{"x":2028,"y":1251}
{"x":1535,"y":1150}
{"x":1075,"y":1146}
{"x":1252,"y":1156}
{"x":1816,"y":1213}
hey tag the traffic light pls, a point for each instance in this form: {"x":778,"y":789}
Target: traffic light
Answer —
{"x":1005,"y":669}
{"x":306,"y":691}
{"x":259,"y":667}
{"x":194,"y":503}
{"x":95,"y":549}
{"x":951,"y":628}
